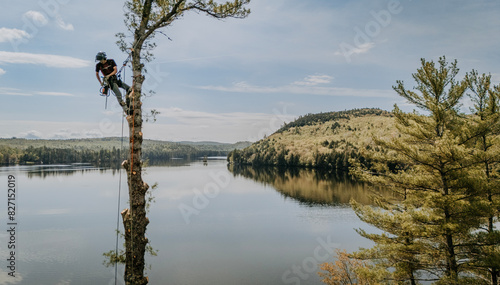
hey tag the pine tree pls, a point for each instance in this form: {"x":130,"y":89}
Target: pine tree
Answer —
{"x":432,"y":176}
{"x":483,"y":128}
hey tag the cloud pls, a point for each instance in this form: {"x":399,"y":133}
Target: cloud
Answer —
{"x":31,"y":135}
{"x":206,"y":118}
{"x":54,"y":94}
{"x":2,"y":72}
{"x":347,"y":50}
{"x":19,"y":92}
{"x":13,"y":92}
{"x":5,"y":278}
{"x":71,"y":133}
{"x":39,"y":19}
{"x":225,"y":127}
{"x":36,"y":17}
{"x":48,"y":60}
{"x":313,"y":80}
{"x":56,"y":130}
{"x":60,"y":22}
{"x":7,"y":35}
{"x":173,"y":124}
{"x":308,"y":86}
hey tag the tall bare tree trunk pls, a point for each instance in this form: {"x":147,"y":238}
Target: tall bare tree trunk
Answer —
{"x":134,"y":219}
{"x":145,"y":20}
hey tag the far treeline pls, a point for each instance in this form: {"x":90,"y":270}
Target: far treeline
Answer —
{"x":440,"y":225}
{"x":103,"y":152}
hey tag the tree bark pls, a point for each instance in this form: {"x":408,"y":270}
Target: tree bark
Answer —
{"x":451,"y":258}
{"x":134,"y":219}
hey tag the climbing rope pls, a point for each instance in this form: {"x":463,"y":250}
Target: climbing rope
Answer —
{"x":104,"y":91}
{"x":118,"y":214}
{"x":122,"y":69}
{"x":118,"y":74}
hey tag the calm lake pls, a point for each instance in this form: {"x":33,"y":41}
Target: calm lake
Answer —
{"x":211,"y":224}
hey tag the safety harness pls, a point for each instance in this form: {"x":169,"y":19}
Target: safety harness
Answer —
{"x":104,"y":90}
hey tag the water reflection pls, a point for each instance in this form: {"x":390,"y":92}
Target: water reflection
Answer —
{"x":173,"y":162}
{"x":308,"y":186}
{"x":248,"y":229}
{"x":45,"y":170}
{"x":42,"y":171}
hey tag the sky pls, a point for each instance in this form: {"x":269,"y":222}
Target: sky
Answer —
{"x":234,"y":79}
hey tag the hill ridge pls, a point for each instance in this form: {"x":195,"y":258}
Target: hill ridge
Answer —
{"x":321,"y":140}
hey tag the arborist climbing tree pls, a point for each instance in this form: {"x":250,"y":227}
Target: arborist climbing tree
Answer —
{"x":144,"y":19}
{"x":111,"y":78}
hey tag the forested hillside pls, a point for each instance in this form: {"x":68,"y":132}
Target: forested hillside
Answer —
{"x":324,"y":140}
{"x":102,"y":152}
